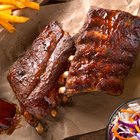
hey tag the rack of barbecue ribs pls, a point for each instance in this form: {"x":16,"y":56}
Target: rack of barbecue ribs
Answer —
{"x":34,"y":76}
{"x":8,"y":118}
{"x":106,"y":48}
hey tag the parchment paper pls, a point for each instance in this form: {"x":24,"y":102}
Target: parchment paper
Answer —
{"x":88,"y":113}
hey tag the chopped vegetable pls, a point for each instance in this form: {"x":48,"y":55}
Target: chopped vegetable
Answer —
{"x":7,"y":7}
{"x":12,"y":18}
{"x":126,"y":124}
{"x":30,"y":4}
{"x":6,"y":12}
{"x":7,"y":26}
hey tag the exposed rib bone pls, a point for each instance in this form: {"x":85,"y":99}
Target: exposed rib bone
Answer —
{"x":71,"y":58}
{"x":61,"y":90}
{"x":65,"y":74}
{"x":39,"y":128}
{"x":54,"y":113}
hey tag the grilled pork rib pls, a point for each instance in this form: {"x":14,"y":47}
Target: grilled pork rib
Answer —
{"x":106,"y":48}
{"x":34,"y":76}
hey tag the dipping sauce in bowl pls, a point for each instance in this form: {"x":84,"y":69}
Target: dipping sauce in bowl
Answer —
{"x":124,"y":123}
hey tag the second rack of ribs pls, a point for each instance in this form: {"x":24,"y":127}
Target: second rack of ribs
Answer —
{"x":106,"y":48}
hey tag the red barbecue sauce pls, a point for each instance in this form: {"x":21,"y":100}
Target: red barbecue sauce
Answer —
{"x":7,"y":114}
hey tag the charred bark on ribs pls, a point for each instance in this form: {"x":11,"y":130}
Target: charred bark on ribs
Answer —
{"x":34,"y":76}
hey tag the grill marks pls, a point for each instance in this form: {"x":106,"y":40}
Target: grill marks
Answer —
{"x":106,"y":48}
